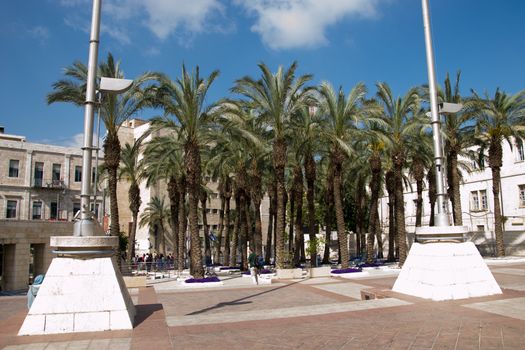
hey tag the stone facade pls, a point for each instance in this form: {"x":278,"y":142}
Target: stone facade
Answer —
{"x":477,"y":203}
{"x":39,"y":196}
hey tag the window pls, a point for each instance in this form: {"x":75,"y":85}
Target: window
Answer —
{"x":478,"y":200}
{"x":76,"y":208}
{"x":474,"y":201}
{"x":522,"y":195}
{"x":78,"y":173}
{"x":54,"y":211}
{"x":483,"y":198}
{"x":520,"y":151}
{"x":13,"y":167}
{"x":11,"y":209}
{"x":93,"y":175}
{"x":55,"y":174}
{"x":39,"y":174}
{"x":37,"y":210}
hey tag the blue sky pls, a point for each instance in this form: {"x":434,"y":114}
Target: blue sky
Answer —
{"x":342,"y":41}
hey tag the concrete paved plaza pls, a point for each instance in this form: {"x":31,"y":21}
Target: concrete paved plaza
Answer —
{"x":321,"y":313}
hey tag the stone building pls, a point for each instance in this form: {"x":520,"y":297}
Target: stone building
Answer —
{"x":39,"y":196}
{"x":477,"y":203}
{"x":147,"y":238}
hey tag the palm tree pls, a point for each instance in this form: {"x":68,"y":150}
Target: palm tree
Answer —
{"x":156,"y":215}
{"x":132,"y":170}
{"x":497,"y":119}
{"x":306,"y":129}
{"x":184,"y":100}
{"x":163,"y":161}
{"x":419,"y":158}
{"x":458,"y":137}
{"x":114,"y":110}
{"x":402,"y":120}
{"x":276,"y":98}
{"x":343,"y":116}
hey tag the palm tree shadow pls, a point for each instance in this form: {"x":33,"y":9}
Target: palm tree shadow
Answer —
{"x":144,"y":311}
{"x":240,"y":301}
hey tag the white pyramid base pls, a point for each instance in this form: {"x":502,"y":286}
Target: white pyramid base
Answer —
{"x":80,"y":295}
{"x":445,"y":271}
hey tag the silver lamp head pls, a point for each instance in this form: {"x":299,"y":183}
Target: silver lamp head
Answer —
{"x":114,"y":85}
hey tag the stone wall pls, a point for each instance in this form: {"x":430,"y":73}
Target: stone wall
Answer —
{"x":17,"y":237}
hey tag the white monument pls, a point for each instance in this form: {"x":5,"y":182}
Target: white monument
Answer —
{"x":441,"y":266}
{"x":83,"y":290}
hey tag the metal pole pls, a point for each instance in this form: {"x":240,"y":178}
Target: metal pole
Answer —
{"x":85,"y":226}
{"x":97,"y":148}
{"x":440,"y":217}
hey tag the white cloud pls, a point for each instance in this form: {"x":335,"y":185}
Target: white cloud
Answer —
{"x":181,"y":18}
{"x":166,"y":17}
{"x":40,"y":33}
{"x":285,"y":24}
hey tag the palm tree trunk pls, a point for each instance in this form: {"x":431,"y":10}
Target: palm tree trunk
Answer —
{"x":329,"y":205}
{"x":373,"y":222}
{"x":236,"y":230}
{"x":379,"y":235}
{"x":419,"y":202}
{"x":291,"y":246}
{"x":174,"y":211}
{"x":432,"y":194}
{"x":112,"y":161}
{"x":181,"y":186}
{"x":456,"y":195}
{"x":217,"y":253}
{"x":243,"y":230}
{"x":297,"y":197}
{"x":360,"y":204}
{"x":193,"y":172}
{"x":207,"y":248}
{"x":389,"y":179}
{"x":400,"y":210}
{"x":269,"y":232}
{"x":339,"y":214}
{"x":227,"y":231}
{"x":279,"y":151}
{"x":134,"y":206}
{"x":310,"y":198}
{"x":495,"y":162}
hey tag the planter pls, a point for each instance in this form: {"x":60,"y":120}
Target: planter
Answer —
{"x":351,"y":274}
{"x":289,"y":273}
{"x":135,"y":281}
{"x":323,"y":271}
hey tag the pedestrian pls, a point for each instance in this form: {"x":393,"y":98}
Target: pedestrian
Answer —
{"x":253,"y":262}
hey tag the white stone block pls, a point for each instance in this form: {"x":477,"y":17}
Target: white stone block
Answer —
{"x":78,"y":295}
{"x":445,"y":271}
{"x":91,"y":321}
{"x":120,"y":320}
{"x":33,"y":324}
{"x":59,"y":323}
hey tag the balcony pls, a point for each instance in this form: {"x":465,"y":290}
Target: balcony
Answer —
{"x":56,"y":184}
{"x":53,"y":184}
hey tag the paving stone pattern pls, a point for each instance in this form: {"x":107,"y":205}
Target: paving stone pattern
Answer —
{"x":309,"y":314}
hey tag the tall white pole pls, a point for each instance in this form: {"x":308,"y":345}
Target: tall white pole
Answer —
{"x":441,"y":217}
{"x":85,"y":227}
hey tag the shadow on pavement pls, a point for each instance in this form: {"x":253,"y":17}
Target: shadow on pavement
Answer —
{"x":239,"y":301}
{"x":145,"y":311}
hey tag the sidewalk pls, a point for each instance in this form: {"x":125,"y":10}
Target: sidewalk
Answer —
{"x":322,"y":313}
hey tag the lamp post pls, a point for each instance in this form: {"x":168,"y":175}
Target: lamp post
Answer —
{"x":441,"y":217}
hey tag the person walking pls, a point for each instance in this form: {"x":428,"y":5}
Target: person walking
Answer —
{"x":253,"y":262}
